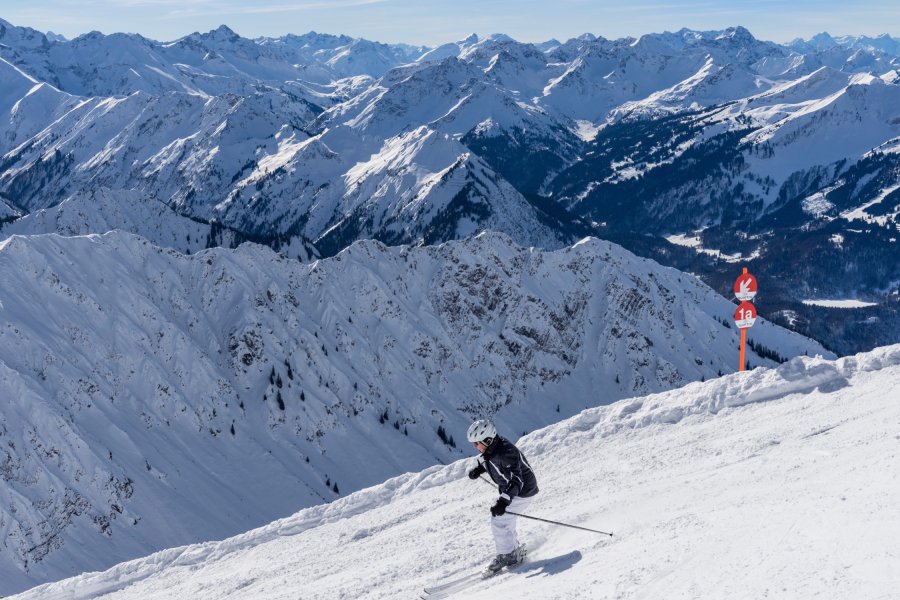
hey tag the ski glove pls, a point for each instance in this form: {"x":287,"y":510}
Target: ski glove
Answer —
{"x":499,"y":508}
{"x":477,"y":471}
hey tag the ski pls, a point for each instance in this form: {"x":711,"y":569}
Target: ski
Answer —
{"x":448,"y":588}
{"x":444,"y":590}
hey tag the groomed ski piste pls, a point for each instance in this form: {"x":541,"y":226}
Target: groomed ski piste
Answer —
{"x":772,"y":483}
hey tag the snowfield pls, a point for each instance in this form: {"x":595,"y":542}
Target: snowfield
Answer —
{"x":849,"y":303}
{"x":772,"y":483}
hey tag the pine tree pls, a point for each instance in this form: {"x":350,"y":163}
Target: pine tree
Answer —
{"x":442,"y":433}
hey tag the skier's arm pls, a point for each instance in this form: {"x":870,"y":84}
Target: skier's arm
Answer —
{"x":512,"y":467}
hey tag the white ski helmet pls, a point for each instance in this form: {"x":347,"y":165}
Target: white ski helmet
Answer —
{"x":481,"y":430}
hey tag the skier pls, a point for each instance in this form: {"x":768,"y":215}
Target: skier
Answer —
{"x":516,"y":483}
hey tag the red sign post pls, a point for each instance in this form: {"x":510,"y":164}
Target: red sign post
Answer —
{"x":745,"y":315}
{"x":745,"y":288}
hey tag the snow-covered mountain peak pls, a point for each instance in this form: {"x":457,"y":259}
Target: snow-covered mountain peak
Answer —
{"x":313,"y":40}
{"x":450,"y":49}
{"x":892,"y":76}
{"x":21,"y":37}
{"x":548,"y":45}
{"x":738,"y":34}
{"x":223,"y":33}
{"x":822,"y":41}
{"x":865,"y":79}
{"x":823,"y":82}
{"x":214,"y":38}
{"x":416,"y":94}
{"x":364,"y":56}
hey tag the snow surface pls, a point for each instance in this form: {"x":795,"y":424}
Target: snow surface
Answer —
{"x":767,"y":483}
{"x":694,"y":241}
{"x":860,"y":212}
{"x":840,"y":303}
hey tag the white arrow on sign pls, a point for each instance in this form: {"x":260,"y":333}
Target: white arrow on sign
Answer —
{"x":745,"y":287}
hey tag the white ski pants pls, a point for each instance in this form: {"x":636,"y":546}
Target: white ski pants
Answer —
{"x":504,"y":526}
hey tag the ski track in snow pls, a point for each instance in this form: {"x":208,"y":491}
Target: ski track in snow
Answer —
{"x":769,"y":483}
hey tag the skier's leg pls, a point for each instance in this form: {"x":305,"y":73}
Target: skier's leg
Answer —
{"x":518,"y":505}
{"x":504,"y":530}
{"x":504,"y":527}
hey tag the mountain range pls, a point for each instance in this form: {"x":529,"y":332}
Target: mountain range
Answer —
{"x":742,"y":147}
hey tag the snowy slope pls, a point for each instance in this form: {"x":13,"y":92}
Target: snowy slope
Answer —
{"x":768,"y":483}
{"x":875,"y":54}
{"x":175,"y":146}
{"x":133,"y":212}
{"x":27,"y":105}
{"x":452,"y":49}
{"x":658,"y":73}
{"x":7,"y":211}
{"x":413,"y":187}
{"x":805,"y":132}
{"x":239,"y":385}
{"x":792,"y":129}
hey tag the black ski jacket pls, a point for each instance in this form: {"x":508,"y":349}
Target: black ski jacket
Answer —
{"x":509,"y":469}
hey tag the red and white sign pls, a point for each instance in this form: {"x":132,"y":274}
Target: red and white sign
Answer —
{"x":745,"y":315}
{"x":745,"y":287}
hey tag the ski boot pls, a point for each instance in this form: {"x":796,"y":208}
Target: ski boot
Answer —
{"x":505,"y":560}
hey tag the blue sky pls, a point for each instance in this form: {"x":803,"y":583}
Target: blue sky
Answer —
{"x":434,"y":22}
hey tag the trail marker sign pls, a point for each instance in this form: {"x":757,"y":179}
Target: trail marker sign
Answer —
{"x":745,"y":287}
{"x":745,"y":315}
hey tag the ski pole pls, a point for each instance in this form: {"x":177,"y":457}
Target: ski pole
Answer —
{"x":548,"y":520}
{"x":509,"y":512}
